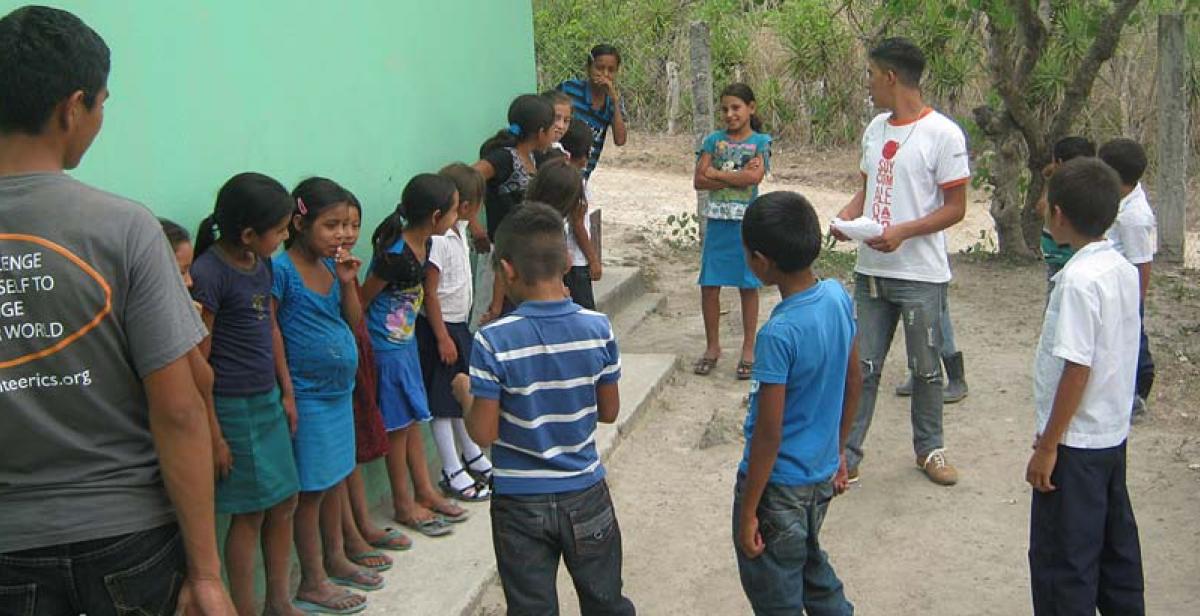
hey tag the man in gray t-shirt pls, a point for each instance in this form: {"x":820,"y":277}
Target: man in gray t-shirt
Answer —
{"x":106,"y":485}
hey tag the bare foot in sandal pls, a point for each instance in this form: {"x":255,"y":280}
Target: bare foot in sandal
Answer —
{"x":445,"y":508}
{"x":705,"y":364}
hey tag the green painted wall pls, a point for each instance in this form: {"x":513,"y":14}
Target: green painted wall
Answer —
{"x":366,"y":92}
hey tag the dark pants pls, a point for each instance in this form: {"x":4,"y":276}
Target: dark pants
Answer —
{"x":1084,"y":552}
{"x":1145,"y":364}
{"x":139,"y":573}
{"x":579,"y":282}
{"x":793,"y":574}
{"x":531,"y":532}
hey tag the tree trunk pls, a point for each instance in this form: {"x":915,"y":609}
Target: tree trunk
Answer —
{"x":1031,"y":223}
{"x":1005,"y":172}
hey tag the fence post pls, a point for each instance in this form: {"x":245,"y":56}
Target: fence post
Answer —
{"x":672,"y":95}
{"x":1171,"y":183}
{"x":702,"y":94}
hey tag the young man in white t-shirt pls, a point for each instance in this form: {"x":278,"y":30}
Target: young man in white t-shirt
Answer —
{"x":1084,"y":552}
{"x":1134,"y":234}
{"x":915,"y":176}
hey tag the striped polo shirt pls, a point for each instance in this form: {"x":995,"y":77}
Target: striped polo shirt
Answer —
{"x":543,"y":363}
{"x":598,"y":120}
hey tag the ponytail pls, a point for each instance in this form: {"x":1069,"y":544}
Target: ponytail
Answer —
{"x":388,"y":231}
{"x":247,"y":201}
{"x":756,"y":124}
{"x":528,"y":116}
{"x":206,"y":235}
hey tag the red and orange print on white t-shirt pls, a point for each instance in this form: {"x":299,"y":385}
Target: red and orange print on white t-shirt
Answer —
{"x":907,"y":167}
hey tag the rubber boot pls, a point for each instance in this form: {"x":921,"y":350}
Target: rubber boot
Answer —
{"x":956,"y":386}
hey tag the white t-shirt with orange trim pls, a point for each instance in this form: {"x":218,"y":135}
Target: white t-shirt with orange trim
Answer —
{"x":907,"y":167}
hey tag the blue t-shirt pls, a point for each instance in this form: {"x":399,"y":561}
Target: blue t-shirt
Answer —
{"x":392,"y":314}
{"x":243,"y":356}
{"x":321,"y":354}
{"x":543,"y":363}
{"x":805,"y":345}
{"x":729,"y":154}
{"x":580,"y":91}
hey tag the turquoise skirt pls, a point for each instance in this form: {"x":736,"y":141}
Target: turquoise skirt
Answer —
{"x":324,"y":440}
{"x":723,"y":258}
{"x":264,"y":470}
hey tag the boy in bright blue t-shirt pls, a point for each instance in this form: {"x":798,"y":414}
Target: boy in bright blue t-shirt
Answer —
{"x":803,"y":398}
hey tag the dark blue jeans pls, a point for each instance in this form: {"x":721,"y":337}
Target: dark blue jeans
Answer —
{"x":532,"y":532}
{"x":879,"y":304}
{"x":139,"y":573}
{"x":793,"y":573}
{"x":1145,"y":364}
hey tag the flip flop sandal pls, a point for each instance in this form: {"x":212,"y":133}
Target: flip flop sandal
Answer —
{"x":311,"y":607}
{"x":361,"y":561}
{"x":392,"y":540}
{"x":483,"y":477}
{"x":473,"y":493}
{"x":452,"y":519}
{"x":436,"y":526}
{"x":744,"y":370}
{"x":362,"y":579}
{"x":704,"y":365}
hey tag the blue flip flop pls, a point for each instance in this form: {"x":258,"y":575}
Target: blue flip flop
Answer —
{"x":308,"y":607}
{"x":355,"y":581}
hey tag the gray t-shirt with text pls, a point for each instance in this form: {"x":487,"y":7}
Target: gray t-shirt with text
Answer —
{"x":91,"y":302}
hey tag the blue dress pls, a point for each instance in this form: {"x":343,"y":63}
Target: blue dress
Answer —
{"x":391,"y":321}
{"x":322,"y":359}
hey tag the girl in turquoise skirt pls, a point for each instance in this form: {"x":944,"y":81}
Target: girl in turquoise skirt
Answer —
{"x":731,"y":165}
{"x":252,"y":391}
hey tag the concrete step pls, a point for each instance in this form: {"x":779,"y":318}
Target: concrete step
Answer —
{"x":619,"y":287}
{"x":447,"y":576}
{"x":632,"y":315}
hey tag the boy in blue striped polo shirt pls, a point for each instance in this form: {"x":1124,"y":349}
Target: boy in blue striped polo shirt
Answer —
{"x":542,"y":377}
{"x":596,"y":101}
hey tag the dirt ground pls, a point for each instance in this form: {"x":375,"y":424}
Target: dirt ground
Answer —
{"x":900,"y":544}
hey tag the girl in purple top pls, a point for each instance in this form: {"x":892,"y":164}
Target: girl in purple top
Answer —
{"x":252,"y":390}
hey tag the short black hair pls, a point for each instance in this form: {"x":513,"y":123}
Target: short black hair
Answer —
{"x":1068,"y":148}
{"x":176,"y":234}
{"x":1126,"y":157}
{"x":532,"y":239}
{"x":46,"y":55}
{"x":1088,"y":193}
{"x":577,"y":141}
{"x":783,"y":227}
{"x":902,"y":56}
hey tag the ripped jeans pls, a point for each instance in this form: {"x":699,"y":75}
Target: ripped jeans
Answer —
{"x":880,"y":303}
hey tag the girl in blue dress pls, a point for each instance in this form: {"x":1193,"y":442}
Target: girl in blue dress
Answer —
{"x":732,"y":163}
{"x":316,"y":304}
{"x":394,"y":293}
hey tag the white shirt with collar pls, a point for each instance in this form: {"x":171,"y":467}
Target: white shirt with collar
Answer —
{"x":1135,"y":232}
{"x":1092,"y":320}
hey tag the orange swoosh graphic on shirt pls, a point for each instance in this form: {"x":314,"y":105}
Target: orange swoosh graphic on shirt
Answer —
{"x":89,"y":270}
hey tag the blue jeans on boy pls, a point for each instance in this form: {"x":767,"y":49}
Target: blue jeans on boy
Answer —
{"x":880,"y":303}
{"x":531,"y":532}
{"x":137,"y":573}
{"x":793,"y":573}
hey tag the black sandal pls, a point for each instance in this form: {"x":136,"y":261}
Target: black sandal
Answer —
{"x":473,"y":493}
{"x":484,"y":477}
{"x":744,"y":370}
{"x":704,"y":365}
